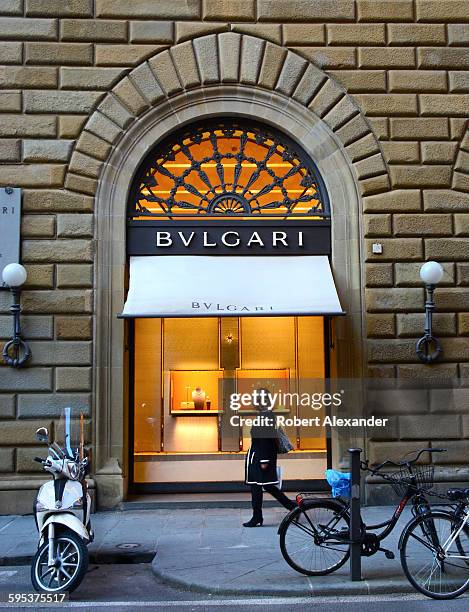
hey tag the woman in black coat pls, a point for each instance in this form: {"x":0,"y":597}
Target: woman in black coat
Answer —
{"x":261,"y":467}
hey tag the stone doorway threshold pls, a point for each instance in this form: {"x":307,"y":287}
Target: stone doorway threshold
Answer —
{"x":197,"y":500}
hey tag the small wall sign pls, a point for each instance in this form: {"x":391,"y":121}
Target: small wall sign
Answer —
{"x":10,"y":218}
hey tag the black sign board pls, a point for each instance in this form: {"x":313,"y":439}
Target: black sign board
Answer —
{"x":285,"y":237}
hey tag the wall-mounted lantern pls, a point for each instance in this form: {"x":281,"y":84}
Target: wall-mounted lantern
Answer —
{"x":16,"y":351}
{"x":428,"y":347}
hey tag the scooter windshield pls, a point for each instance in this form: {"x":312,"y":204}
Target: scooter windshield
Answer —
{"x":68,"y":433}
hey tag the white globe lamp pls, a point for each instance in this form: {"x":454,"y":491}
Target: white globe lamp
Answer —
{"x":14,"y":275}
{"x":431,"y":272}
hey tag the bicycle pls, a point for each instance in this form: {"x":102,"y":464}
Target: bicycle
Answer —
{"x":434,"y":549}
{"x":315,"y":536}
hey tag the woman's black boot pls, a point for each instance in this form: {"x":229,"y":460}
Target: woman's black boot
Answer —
{"x":255,"y":521}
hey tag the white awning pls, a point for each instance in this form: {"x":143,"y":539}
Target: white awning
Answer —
{"x":197,"y":285}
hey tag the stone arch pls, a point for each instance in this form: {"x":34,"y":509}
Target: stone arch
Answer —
{"x":251,"y":78}
{"x":226,"y":58}
{"x":461,"y":166}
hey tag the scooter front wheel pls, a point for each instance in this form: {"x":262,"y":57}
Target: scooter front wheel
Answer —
{"x":70,"y":564}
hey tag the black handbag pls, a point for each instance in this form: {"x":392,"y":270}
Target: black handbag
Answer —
{"x":283,"y":443}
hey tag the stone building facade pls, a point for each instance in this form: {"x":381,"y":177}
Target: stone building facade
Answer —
{"x":376,"y":90}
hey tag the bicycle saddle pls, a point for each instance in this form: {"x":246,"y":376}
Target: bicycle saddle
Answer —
{"x":458,"y":494}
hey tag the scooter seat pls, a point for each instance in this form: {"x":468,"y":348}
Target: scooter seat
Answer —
{"x":458,"y":494}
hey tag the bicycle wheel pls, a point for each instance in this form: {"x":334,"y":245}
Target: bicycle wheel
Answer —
{"x":433,"y":567}
{"x":314,"y":538}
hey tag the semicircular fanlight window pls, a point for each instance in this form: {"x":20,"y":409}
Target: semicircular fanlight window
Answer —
{"x":225,"y":168}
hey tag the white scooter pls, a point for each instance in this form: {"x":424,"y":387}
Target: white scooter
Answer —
{"x":62,"y":512}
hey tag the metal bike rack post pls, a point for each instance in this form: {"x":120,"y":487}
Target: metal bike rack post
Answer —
{"x":355,"y":517}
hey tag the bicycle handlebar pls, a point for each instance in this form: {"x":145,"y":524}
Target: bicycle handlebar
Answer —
{"x":406,"y":463}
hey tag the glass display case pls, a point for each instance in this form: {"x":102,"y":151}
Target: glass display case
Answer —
{"x":194,"y":392}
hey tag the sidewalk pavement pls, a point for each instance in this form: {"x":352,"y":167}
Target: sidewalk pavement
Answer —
{"x":209,"y":550}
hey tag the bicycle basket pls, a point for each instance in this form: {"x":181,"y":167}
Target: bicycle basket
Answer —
{"x":339,"y":483}
{"x":420,"y":479}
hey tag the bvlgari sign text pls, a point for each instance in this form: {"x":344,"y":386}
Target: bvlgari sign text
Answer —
{"x":226,"y":237}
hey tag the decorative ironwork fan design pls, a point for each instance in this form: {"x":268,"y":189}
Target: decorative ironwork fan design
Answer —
{"x":228,"y":168}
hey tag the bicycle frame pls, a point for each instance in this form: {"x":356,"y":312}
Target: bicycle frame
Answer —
{"x":453,"y":537}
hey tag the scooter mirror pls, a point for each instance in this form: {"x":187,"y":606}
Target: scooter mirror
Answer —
{"x":42,"y":434}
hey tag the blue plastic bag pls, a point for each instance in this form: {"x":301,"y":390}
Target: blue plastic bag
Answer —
{"x":339,"y":482}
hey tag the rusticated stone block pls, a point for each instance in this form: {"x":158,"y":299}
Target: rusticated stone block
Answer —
{"x":188,"y":30}
{"x":56,"y":200}
{"x":145,"y":81}
{"x":6,"y":460}
{"x":417,"y":80}
{"x":356,"y":34}
{"x":422,"y":225}
{"x":292,"y":71}
{"x":74,"y":275}
{"x":43,"y":405}
{"x":57,"y":301}
{"x":391,"y":351}
{"x":27,"y":77}
{"x":388,"y":104}
{"x":47,"y":150}
{"x":61,"y":353}
{"x":306,"y":10}
{"x":326,"y":98}
{"x":393,"y":300}
{"x":452,"y":298}
{"x":401,"y":152}
{"x":463,"y":274}
{"x":377,"y":225}
{"x":151,"y":31}
{"x":103,"y":127}
{"x":25,"y":379}
{"x":425,"y":426}
{"x":40,"y":276}
{"x":10,"y":101}
{"x":424,"y":176}
{"x":374,"y":184}
{"x":10,"y":150}
{"x":124,"y":55}
{"x":130,"y":96}
{"x":58,"y":8}
{"x":364,"y":147}
{"x":15,"y":433}
{"x":83,"y":164}
{"x":57,"y":251}
{"x":303,"y":33}
{"x":11,"y":52}
{"x":416,"y":34}
{"x":441,"y":57}
{"x":354,"y":129}
{"x":38,"y":101}
{"x":379,"y":275}
{"x":70,"y":126}
{"x":73,"y":379}
{"x":408,"y":274}
{"x":25,"y":459}
{"x":380,"y":325}
{"x":92,"y":145}
{"x":395,"y":249}
{"x":410,"y":129}
{"x":445,"y":200}
{"x":356,"y":81}
{"x":38,"y":226}
{"x":73,"y":328}
{"x":309,"y":84}
{"x":444,"y":104}
{"x":458,"y":34}
{"x":165,"y":71}
{"x":231,"y":10}
{"x":460,"y":181}
{"x":59,"y":53}
{"x":370,"y":166}
{"x":206,"y":52}
{"x":93,"y":30}
{"x":386,"y":57}
{"x":380,"y":451}
{"x":435,"y":10}
{"x":459,"y":81}
{"x":447,"y":249}
{"x":229,"y":45}
{"x":398,"y":200}
{"x":26,"y":29}
{"x":117,"y":112}
{"x":164,"y":9}
{"x":11,"y":7}
{"x":383,"y":10}
{"x":82,"y":184}
{"x":7,"y":407}
{"x":456,"y":452}
{"x":74,"y":225}
{"x":88,"y":78}
{"x":342,"y":112}
{"x":333,"y":58}
{"x":272,"y":63}
{"x":184,"y":57}
{"x":32,"y":327}
{"x":32,"y":175}
{"x":412,"y":324}
{"x":419,"y":371}
{"x":463,"y":323}
{"x":438,"y":152}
